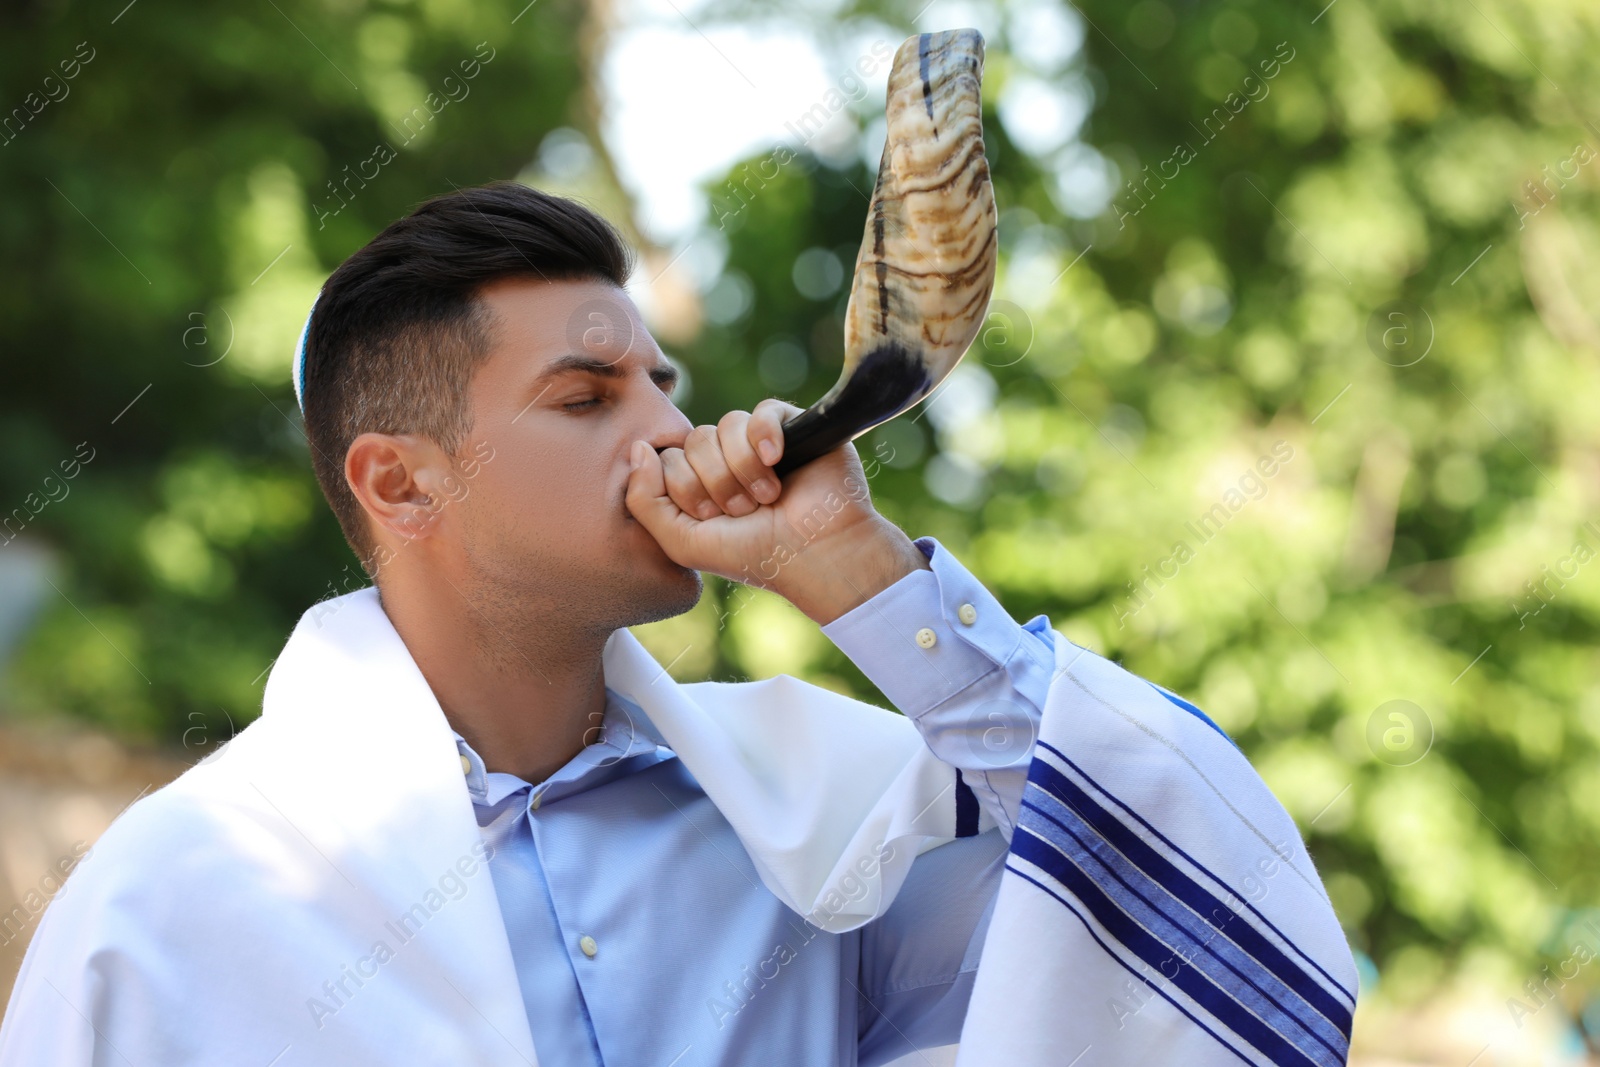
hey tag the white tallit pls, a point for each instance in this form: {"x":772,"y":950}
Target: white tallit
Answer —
{"x":212,"y":911}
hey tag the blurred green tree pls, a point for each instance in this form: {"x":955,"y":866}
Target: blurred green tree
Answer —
{"x":176,"y":185}
{"x":1306,"y":432}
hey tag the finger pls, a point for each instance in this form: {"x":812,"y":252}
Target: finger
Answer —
{"x":704,"y":451}
{"x":684,"y":486}
{"x":739,"y":453}
{"x":766,"y":428}
{"x":648,"y":502}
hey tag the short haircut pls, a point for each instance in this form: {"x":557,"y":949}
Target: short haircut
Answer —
{"x":398,"y":330}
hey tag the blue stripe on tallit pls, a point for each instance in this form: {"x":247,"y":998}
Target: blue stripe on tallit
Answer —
{"x":1216,"y":1001}
{"x":1240,"y":979}
{"x":1339,"y":1013}
{"x":1191,"y":709}
{"x":1066,"y":903}
{"x":1180,"y":885}
{"x":966,"y":809}
{"x":1190,"y":937}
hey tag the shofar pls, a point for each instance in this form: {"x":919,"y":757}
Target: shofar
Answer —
{"x":926,"y":266}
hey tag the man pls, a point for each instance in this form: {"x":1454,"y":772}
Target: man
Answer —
{"x":493,"y":427}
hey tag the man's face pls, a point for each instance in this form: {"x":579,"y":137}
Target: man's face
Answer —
{"x":571,"y":380}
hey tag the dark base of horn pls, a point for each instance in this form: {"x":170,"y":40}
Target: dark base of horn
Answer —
{"x":887,"y":381}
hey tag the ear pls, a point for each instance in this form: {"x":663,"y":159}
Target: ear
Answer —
{"x":401,"y":480}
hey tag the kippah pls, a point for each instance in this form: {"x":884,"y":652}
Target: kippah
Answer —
{"x":298,"y":371}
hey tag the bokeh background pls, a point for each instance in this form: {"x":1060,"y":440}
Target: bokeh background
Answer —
{"x":1353,"y":244}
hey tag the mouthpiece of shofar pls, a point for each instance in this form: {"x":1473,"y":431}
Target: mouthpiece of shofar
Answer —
{"x":926,"y":265}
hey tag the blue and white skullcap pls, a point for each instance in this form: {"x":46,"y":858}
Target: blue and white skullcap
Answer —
{"x":298,"y":371}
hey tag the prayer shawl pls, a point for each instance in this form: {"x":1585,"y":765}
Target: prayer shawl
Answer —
{"x":1158,"y":905}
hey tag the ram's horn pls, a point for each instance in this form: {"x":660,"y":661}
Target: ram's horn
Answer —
{"x":926,"y":266}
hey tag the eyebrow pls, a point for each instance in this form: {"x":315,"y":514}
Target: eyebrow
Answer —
{"x":662,"y":373}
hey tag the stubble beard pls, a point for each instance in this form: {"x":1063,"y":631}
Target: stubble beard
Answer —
{"x":531,"y":604}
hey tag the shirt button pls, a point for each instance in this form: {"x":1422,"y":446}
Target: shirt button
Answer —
{"x":967,"y":614}
{"x":927,"y":638}
{"x":588,"y":945}
{"x":466,"y":764}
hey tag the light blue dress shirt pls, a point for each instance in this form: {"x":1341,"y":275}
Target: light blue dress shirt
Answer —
{"x":642,"y":934}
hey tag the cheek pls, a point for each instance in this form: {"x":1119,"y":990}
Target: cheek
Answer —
{"x":550,"y":485}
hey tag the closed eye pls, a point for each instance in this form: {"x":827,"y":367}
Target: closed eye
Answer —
{"x":581,"y":405}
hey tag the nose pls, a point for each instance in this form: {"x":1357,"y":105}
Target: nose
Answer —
{"x":664,"y":425}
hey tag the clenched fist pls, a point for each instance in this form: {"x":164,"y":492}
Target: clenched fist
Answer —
{"x":715,"y":505}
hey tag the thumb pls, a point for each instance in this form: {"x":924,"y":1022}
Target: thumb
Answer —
{"x":648,"y":501}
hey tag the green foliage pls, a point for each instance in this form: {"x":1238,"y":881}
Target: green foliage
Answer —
{"x":1219,"y":321}
{"x":176,"y":188}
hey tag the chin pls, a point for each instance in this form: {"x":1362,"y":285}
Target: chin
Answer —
{"x":677,"y":592}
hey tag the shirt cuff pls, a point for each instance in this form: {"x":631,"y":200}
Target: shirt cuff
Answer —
{"x":928,"y":636}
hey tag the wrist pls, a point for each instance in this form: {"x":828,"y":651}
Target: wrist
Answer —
{"x":834,"y":577}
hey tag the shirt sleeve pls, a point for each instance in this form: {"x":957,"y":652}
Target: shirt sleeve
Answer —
{"x":950,"y":657}
{"x":946,"y":654}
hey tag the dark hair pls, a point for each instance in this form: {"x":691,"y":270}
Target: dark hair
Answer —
{"x":398,"y":331}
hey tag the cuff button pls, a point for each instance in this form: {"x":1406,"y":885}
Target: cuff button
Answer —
{"x":967,"y":614}
{"x":927,"y":638}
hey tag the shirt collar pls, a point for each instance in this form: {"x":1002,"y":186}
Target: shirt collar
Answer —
{"x":624,"y":741}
